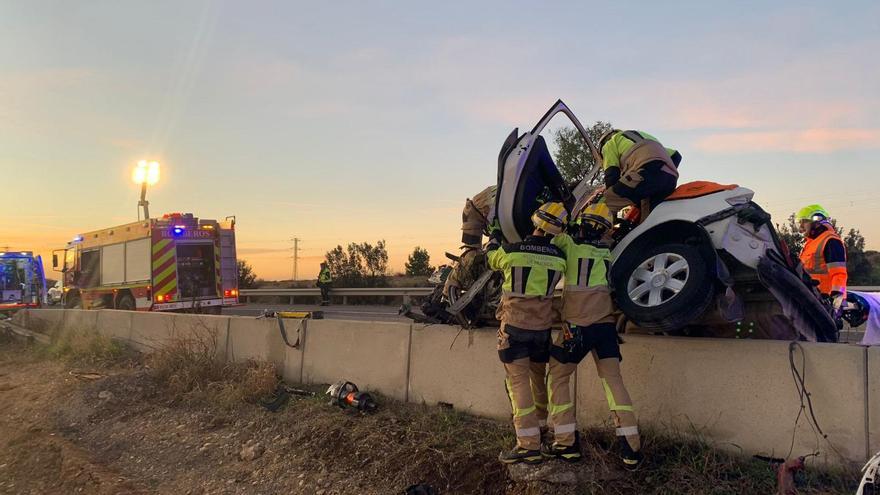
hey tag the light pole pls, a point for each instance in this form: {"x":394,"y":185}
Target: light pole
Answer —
{"x":145,"y":173}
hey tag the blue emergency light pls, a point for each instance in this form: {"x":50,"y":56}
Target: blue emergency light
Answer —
{"x":178,"y":230}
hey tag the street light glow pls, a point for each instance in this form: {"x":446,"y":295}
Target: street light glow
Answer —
{"x":146,"y":173}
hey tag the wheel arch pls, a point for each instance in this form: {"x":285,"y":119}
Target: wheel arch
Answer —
{"x":70,"y":295}
{"x":120,"y":294}
{"x":673,"y":231}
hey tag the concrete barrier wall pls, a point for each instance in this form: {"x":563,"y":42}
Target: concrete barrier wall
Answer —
{"x":249,"y":338}
{"x":873,"y":391}
{"x":116,"y":324}
{"x":738,"y":393}
{"x":40,"y":321}
{"x":374,"y":355}
{"x":80,"y":320}
{"x":457,"y":367}
{"x":150,"y":331}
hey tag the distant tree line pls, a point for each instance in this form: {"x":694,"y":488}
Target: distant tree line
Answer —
{"x":247,"y":279}
{"x":419,"y":263}
{"x":359,"y":265}
{"x":366,"y":265}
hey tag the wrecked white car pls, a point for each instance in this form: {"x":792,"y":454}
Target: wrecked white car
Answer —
{"x":706,"y":261}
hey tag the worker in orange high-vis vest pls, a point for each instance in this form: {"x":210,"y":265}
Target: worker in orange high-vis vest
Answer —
{"x":824,"y":255}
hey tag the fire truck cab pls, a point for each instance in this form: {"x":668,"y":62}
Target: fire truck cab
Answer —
{"x":175,"y":263}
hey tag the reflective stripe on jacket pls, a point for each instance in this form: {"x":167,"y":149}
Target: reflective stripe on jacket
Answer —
{"x":586,"y":297}
{"x":831,"y":274}
{"x":531,"y":268}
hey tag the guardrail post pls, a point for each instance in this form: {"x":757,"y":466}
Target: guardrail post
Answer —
{"x":291,"y":300}
{"x":406,"y":299}
{"x":344,"y":300}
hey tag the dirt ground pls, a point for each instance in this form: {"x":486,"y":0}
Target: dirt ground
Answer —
{"x":119,"y":431}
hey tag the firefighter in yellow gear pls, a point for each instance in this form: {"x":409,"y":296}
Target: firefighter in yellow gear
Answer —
{"x":589,"y":327}
{"x":638,"y":169}
{"x":474,"y":223}
{"x":824,"y":253}
{"x":531,"y":268}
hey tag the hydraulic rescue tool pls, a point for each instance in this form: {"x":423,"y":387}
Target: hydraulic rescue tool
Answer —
{"x":346,"y":394}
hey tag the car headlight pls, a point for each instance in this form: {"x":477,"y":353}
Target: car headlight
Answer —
{"x":739,"y":200}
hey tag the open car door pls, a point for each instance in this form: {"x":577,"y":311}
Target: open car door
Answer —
{"x":528,"y":177}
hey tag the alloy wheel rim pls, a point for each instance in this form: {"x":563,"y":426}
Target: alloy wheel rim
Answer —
{"x":658,"y":279}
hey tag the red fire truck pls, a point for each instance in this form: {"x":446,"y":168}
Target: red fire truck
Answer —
{"x":175,"y":263}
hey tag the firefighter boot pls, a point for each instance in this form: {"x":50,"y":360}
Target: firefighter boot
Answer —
{"x":570,"y":453}
{"x":519,"y":454}
{"x":631,"y":459}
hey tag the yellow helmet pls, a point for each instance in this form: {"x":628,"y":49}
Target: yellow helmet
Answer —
{"x":598,"y":215}
{"x":811,"y":212}
{"x":551,"y":217}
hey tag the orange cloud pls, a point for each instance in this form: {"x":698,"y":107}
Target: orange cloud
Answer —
{"x":816,"y":140}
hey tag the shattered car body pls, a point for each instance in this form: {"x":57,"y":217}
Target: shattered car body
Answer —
{"x":711,"y":263}
{"x":707,"y":261}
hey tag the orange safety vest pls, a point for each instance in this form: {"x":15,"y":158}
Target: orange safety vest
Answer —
{"x":831,"y":276}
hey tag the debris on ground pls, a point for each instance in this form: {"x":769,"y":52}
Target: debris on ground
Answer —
{"x":251,"y":452}
{"x":86,"y":376}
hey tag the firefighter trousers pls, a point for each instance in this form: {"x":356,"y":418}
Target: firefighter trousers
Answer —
{"x":601,"y":341}
{"x":618,"y":400}
{"x":561,"y":418}
{"x":561,"y":409}
{"x":528,"y":399}
{"x":524,"y":354}
{"x":649,"y":183}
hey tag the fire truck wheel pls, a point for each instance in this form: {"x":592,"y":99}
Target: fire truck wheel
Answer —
{"x":74,"y":302}
{"x":125,"y":303}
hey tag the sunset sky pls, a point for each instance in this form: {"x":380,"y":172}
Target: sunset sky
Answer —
{"x":357,"y":121}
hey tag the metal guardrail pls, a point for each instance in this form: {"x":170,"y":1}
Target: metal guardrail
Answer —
{"x":344,"y":292}
{"x":405,"y":292}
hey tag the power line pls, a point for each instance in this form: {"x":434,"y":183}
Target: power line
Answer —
{"x":295,"y":256}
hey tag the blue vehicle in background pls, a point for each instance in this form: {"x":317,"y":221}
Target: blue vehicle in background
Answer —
{"x":22,"y":281}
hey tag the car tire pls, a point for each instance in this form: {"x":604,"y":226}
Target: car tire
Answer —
{"x":667,"y":298}
{"x":126,"y":303}
{"x":73,"y":302}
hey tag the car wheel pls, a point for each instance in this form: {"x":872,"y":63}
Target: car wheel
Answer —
{"x":74,"y":302}
{"x":663,"y":288}
{"x":126,"y":303}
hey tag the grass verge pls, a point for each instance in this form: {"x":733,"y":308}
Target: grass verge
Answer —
{"x":189,"y":367}
{"x":87,"y":347}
